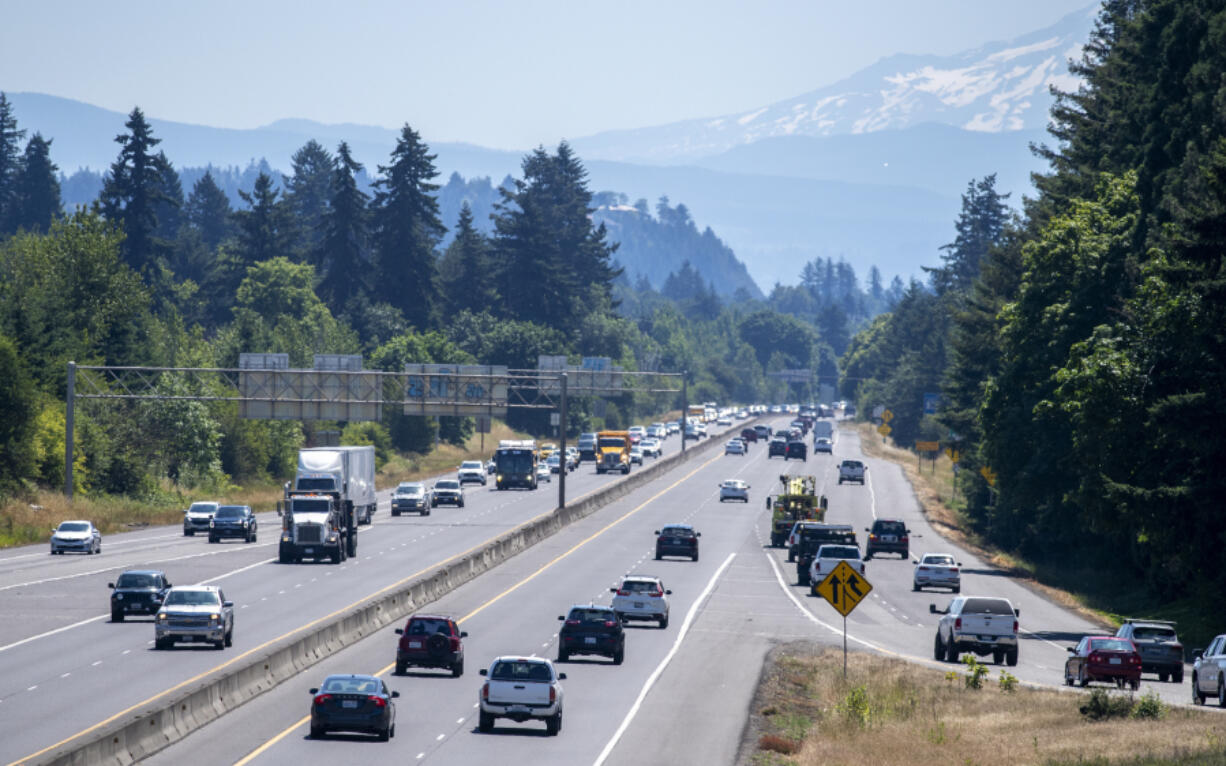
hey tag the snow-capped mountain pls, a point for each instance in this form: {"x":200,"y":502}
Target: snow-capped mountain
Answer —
{"x":1001,"y":86}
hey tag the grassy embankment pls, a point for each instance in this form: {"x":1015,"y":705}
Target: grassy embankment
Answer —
{"x":26,"y":521}
{"x":889,"y":711}
{"x":1103,"y":597}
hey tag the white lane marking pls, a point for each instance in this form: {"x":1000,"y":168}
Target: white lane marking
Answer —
{"x":65,"y":675}
{"x":31,"y":688}
{"x":126,"y":651}
{"x":227,"y":549}
{"x":53,"y":632}
{"x":655,"y":674}
{"x":420,"y":756}
{"x":96,"y":664}
{"x":459,"y":720}
{"x":439,"y":738}
{"x":236,"y":571}
{"x":872,"y":494}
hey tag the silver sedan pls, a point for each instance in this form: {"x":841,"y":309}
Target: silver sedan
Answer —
{"x":937,"y":570}
{"x":734,"y":489}
{"x":81,"y":536}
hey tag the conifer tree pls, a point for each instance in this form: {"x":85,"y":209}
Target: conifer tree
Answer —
{"x":169,"y":208}
{"x":264,"y":230}
{"x":464,"y":271}
{"x":307,"y":193}
{"x":131,"y":193}
{"x":36,"y":198}
{"x":10,"y":161}
{"x":208,"y":211}
{"x":407,"y":230}
{"x":346,"y":241}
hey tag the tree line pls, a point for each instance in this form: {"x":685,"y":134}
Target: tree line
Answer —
{"x":330,"y":258}
{"x":1079,"y":347}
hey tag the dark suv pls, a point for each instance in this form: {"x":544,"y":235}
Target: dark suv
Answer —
{"x":430,"y":641}
{"x":796,"y":449}
{"x":137,"y":591}
{"x":677,"y":540}
{"x":1158,"y":645}
{"x":749,"y":435}
{"x":813,"y":536}
{"x":233,"y":521}
{"x":592,"y":629}
{"x":778,"y":446}
{"x":888,"y":536}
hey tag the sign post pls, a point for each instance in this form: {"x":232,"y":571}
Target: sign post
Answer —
{"x":844,"y":588}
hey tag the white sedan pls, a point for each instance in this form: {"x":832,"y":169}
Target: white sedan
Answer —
{"x":734,"y":447}
{"x":650,"y":447}
{"x":734,"y":489}
{"x":542,"y":472}
{"x":937,"y":570}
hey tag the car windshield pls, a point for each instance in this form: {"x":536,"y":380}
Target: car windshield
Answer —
{"x":852,"y":464}
{"x":74,"y":526}
{"x":203,"y":508}
{"x":412,"y":490}
{"x":734,"y":484}
{"x":447,"y":484}
{"x":676,"y":532}
{"x":351,"y":685}
{"x":473,"y":464}
{"x":640,"y":586}
{"x":941,"y":561}
{"x":1110,"y":645}
{"x":840,"y":552}
{"x":426,"y":626}
{"x":592,"y":615}
{"x":310,"y":505}
{"x":987,"y":606}
{"x":612,"y":443}
{"x":230,"y":512}
{"x":553,"y":460}
{"x":520,"y":670}
{"x":1153,"y":633}
{"x":136,"y":581}
{"x":192,"y":598}
{"x":513,"y":461}
{"x":327,"y":484}
{"x":889,"y":527}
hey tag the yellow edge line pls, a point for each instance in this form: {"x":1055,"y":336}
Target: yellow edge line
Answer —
{"x":284,"y":636}
{"x":262,"y":748}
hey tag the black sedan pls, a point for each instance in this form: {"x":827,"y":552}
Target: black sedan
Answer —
{"x":777,"y":447}
{"x":233,"y":521}
{"x":591,"y":629}
{"x":137,"y":591}
{"x":353,"y":703}
{"x":677,"y":540}
{"x":798,"y":450}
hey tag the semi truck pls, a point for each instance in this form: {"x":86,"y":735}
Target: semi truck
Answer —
{"x":613,"y":451}
{"x":332,"y":492}
{"x":515,"y":463}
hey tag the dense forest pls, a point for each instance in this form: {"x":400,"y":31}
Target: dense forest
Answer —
{"x":166,"y":268}
{"x":1079,"y":347}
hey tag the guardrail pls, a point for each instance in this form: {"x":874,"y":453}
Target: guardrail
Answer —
{"x":145,"y":732}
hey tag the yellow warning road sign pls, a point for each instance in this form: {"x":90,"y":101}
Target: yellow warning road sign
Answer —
{"x":884,"y":429}
{"x":887,"y":416}
{"x":844,"y":588}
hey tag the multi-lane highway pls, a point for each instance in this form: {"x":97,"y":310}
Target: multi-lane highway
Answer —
{"x":681,"y":696}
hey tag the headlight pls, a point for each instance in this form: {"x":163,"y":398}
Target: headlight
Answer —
{"x":244,"y":522}
{"x":161,"y":615}
{"x":211,"y":525}
{"x":214,"y":617}
{"x":119,"y":597}
{"x":498,"y":477}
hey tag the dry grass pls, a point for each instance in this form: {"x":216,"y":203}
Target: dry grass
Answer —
{"x":891,"y":712}
{"x":935,"y":491}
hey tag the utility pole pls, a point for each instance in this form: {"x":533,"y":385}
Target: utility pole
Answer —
{"x":562,"y":442}
{"x":685,"y":405}
{"x":69,"y":417}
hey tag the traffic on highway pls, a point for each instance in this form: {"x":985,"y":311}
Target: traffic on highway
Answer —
{"x":665,"y":598}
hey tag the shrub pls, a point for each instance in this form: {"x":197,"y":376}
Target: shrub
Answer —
{"x":855,"y":706}
{"x":975,"y":672}
{"x":1008,"y":681}
{"x":1103,"y":706}
{"x":1150,"y":706}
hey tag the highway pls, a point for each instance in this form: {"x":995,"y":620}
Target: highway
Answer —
{"x":697,"y":676}
{"x":68,"y":668}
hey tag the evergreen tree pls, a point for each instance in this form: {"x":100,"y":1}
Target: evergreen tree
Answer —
{"x":407,"y":231}
{"x":307,"y":192}
{"x":10,"y":160}
{"x":464,"y":271}
{"x":36,"y":199}
{"x":980,"y":226}
{"x":345,"y":246}
{"x":132,"y":192}
{"x":169,"y":208}
{"x":265,"y":229}
{"x":208,"y":211}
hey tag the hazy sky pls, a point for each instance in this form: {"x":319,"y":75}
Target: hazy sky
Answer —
{"x":501,"y":74}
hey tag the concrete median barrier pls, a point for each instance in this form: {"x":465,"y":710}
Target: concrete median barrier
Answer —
{"x":141,"y":733}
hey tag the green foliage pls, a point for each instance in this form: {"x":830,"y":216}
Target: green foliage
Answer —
{"x":1103,"y":706}
{"x":855,"y":707}
{"x":1150,"y":706}
{"x":369,"y":433}
{"x":976,"y":671}
{"x":131,"y":194}
{"x":1007,"y":682}
{"x":19,"y":405}
{"x":35,"y":199}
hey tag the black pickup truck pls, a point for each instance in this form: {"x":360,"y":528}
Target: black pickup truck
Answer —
{"x":815,"y":536}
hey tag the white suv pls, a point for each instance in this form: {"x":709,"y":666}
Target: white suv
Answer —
{"x":641,"y":597}
{"x":472,"y":470}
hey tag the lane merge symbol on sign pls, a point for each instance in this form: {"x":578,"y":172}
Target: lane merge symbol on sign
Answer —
{"x":844,"y":588}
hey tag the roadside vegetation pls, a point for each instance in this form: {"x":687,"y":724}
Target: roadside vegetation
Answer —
{"x":889,"y":711}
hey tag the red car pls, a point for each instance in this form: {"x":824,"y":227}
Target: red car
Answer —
{"x":749,"y":435}
{"x":430,"y":641}
{"x":1103,"y":658}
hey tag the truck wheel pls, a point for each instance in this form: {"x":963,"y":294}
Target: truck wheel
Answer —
{"x":461,"y":503}
{"x":426,"y":512}
{"x":563,"y":655}
{"x":791,"y":556}
{"x":938,"y":649}
{"x":230,"y":637}
{"x":116,"y":616}
{"x":485,"y":722}
{"x":395,"y":512}
{"x":997,"y":657}
{"x":1011,"y":658}
{"x":335,"y":556}
{"x":212,"y":538}
{"x":553,"y":724}
{"x":951,"y":651}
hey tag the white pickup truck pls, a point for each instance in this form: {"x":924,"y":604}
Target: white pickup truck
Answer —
{"x":977,"y":624}
{"x":828,"y":557}
{"x":521,"y":688}
{"x":851,"y":470}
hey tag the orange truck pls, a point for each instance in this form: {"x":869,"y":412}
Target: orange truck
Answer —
{"x":613,"y":451}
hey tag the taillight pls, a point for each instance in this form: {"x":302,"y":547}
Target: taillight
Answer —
{"x":455,"y":644}
{"x":656,"y":593}
{"x":1095,"y":657}
{"x":379,"y":701}
{"x":322,"y":698}
{"x":924,"y":569}
{"x":954,"y":570}
{"x":958,"y":624}
{"x":1015,"y":626}
{"x":553,"y":695}
{"x":1135,"y":660}
{"x":485,"y":691}
{"x":610,"y":623}
{"x":572,"y":622}
{"x":905,"y":538}
{"x":623,"y":592}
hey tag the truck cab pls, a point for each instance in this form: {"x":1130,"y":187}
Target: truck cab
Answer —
{"x":811,"y":538}
{"x":515,"y":463}
{"x":315,"y":526}
{"x":613,"y":451}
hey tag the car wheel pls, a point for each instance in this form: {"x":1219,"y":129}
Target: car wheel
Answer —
{"x":694,"y":557}
{"x":658,"y":556}
{"x":395,"y":513}
{"x":1221,"y":691}
{"x":385,"y":733}
{"x":1011,"y":658}
{"x":1068,"y":680}
{"x":563,"y":655}
{"x":189,"y":533}
{"x":401,"y":668}
{"x":212,"y":538}
{"x":1177,"y":676}
{"x":938,"y":649}
{"x":664,"y":622}
{"x":1163,"y":677}
{"x":461,"y":504}
{"x":485,"y":722}
{"x":791,"y":557}
{"x":553,"y":724}
{"x":618,"y":656}
{"x":1134,"y":684}
{"x":425,"y":513}
{"x":1197,"y":697}
{"x":116,"y":616}
{"x":915,"y":587}
{"x":457,"y":669}
{"x":229,"y":641}
{"x":318,"y":732}
{"x":951,"y":651}
{"x":1082,"y":680}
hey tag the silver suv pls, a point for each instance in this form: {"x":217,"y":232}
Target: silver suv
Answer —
{"x":197,"y":517}
{"x":641,"y":597}
{"x":1209,"y":672}
{"x":194,"y":613}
